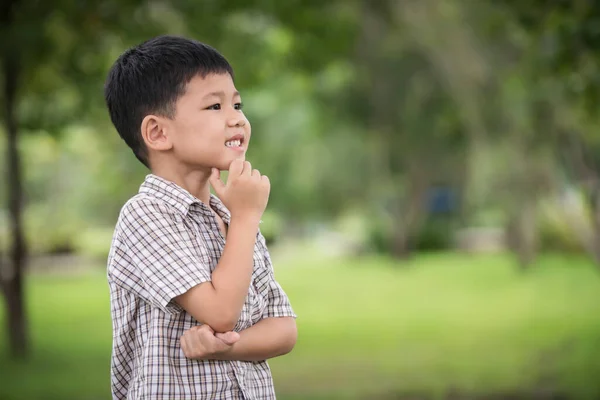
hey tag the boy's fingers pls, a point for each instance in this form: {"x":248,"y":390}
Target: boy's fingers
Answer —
{"x":236,"y":167}
{"x":184,"y":346}
{"x":215,"y":180}
{"x":247,"y":168}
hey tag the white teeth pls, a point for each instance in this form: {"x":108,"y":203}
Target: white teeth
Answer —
{"x":233,"y":143}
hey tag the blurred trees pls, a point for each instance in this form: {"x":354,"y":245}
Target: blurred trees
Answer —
{"x":420,"y":117}
{"x":565,"y":40}
{"x":52,"y":67}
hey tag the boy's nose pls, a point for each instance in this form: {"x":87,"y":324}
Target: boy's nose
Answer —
{"x":237,"y":122}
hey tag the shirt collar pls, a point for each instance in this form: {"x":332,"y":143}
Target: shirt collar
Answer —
{"x":217,"y":205}
{"x":181,"y":199}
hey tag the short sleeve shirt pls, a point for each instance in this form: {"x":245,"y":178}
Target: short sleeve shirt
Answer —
{"x":166,"y":241}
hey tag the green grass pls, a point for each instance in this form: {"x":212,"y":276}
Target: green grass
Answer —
{"x":368,"y":328}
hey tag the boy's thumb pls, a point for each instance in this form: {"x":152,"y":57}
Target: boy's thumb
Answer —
{"x":229,"y":338}
{"x":215,"y":180}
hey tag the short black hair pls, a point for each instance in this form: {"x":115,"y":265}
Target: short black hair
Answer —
{"x":149,"y":79}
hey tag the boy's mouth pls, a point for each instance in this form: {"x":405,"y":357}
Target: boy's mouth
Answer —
{"x":235,"y":142}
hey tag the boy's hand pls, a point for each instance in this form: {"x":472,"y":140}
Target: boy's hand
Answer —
{"x":246,"y":192}
{"x":201,"y":343}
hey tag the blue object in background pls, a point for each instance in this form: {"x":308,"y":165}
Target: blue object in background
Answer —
{"x":441,"y":200}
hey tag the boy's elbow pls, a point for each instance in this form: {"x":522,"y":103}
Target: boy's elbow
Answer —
{"x":221,"y":325}
{"x":197,"y":302}
{"x":291,"y":337}
{"x":291,"y":343}
{"x":223,"y":321}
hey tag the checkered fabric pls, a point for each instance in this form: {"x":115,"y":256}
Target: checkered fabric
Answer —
{"x":166,"y":241}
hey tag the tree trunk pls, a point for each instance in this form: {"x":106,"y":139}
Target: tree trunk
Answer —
{"x":12,"y":274}
{"x":594,"y":246}
{"x":588,"y":173}
{"x":409,"y":218}
{"x":522,"y":233}
{"x":401,"y":245}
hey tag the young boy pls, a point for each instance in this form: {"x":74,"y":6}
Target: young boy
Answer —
{"x":196,"y":309}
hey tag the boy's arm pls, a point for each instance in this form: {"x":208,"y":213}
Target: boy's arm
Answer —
{"x":219,"y":301}
{"x":273,"y":336}
{"x":170,"y":270}
{"x":159,"y":258}
{"x":270,"y":337}
{"x":276,"y":333}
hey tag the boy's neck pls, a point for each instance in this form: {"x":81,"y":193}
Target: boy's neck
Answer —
{"x":195,"y":182}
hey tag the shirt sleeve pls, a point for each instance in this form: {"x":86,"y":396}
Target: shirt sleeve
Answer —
{"x":166,"y":259}
{"x":278,"y":303}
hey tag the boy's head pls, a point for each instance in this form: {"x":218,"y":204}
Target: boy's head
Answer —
{"x":173,"y":101}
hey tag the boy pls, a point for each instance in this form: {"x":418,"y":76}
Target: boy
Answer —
{"x":195,"y":307}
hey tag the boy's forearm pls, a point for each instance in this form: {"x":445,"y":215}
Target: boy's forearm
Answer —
{"x":219,"y":302}
{"x":231,"y":278}
{"x":271,"y":337}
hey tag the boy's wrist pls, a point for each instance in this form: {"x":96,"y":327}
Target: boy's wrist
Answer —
{"x":248,"y":220}
{"x":216,"y":355}
{"x":225,"y":355}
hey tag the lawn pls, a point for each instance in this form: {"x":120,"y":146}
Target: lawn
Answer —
{"x":368,"y":328}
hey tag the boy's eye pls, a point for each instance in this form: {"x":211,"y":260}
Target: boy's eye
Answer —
{"x":214,"y":107}
{"x":239,"y":106}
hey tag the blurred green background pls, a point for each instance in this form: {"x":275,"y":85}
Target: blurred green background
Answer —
{"x":435,"y":205}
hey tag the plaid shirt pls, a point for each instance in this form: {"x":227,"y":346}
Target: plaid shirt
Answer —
{"x":166,"y":241}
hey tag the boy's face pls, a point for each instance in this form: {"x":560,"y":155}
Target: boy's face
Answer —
{"x":209,"y":129}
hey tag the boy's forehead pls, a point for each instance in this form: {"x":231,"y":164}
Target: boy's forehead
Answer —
{"x":211,"y":84}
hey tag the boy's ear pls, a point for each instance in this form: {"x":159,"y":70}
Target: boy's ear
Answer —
{"x":155,"y":133}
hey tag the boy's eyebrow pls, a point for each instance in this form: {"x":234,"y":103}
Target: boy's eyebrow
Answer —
{"x":221,"y":94}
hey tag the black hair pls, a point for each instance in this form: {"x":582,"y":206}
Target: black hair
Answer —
{"x":149,"y":79}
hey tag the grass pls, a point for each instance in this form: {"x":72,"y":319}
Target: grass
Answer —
{"x":368,"y":328}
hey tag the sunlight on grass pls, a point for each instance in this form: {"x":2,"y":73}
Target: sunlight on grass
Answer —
{"x":367,"y":328}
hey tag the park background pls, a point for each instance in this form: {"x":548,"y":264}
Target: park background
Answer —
{"x":435,"y":206}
